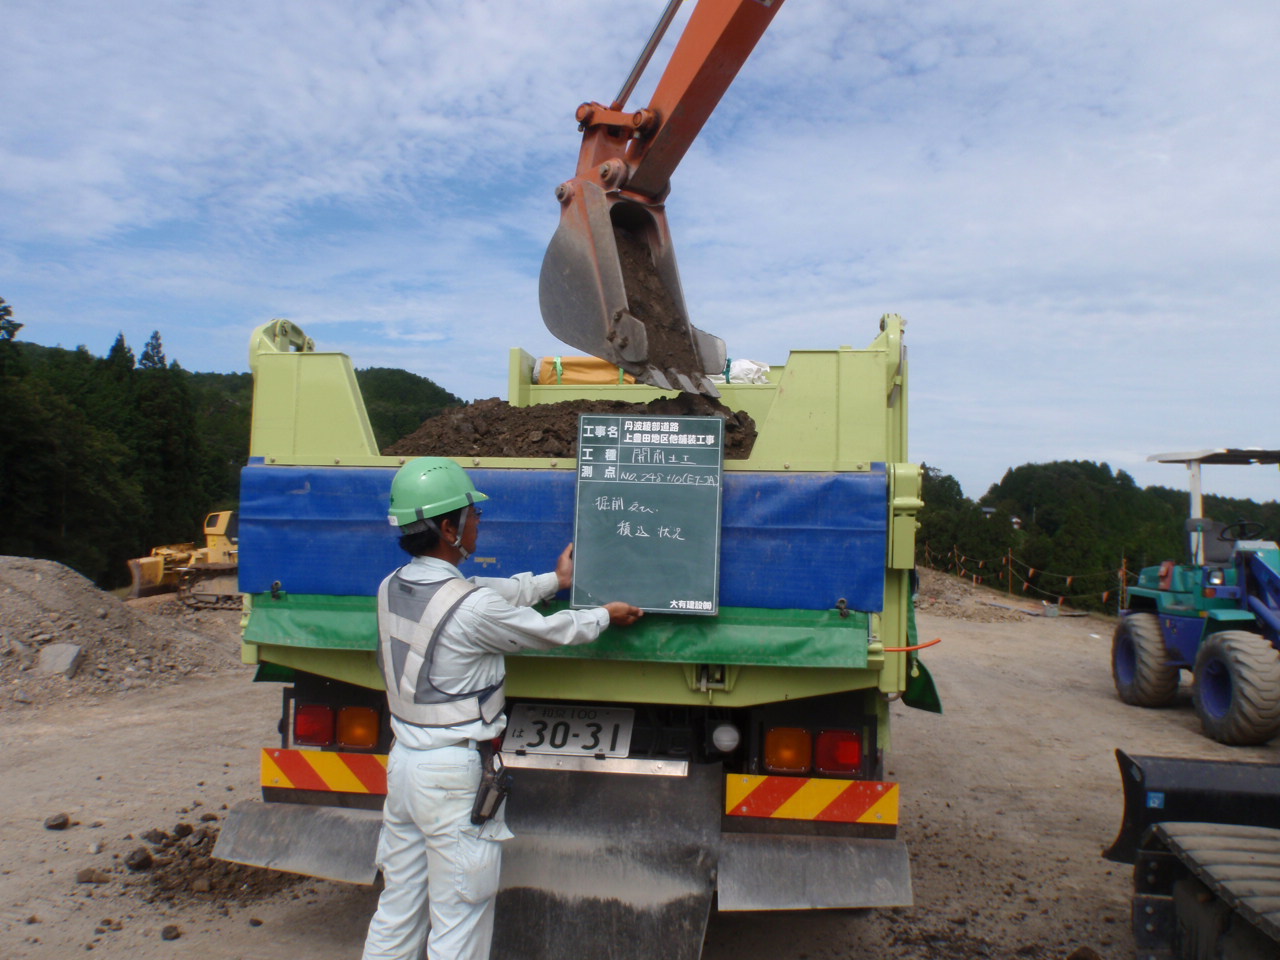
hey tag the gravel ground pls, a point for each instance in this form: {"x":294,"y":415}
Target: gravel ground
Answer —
{"x":122,"y":645}
{"x":1008,"y":797}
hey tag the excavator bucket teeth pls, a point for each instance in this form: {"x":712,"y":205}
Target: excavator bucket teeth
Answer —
{"x":609,"y":286}
{"x":621,"y":867}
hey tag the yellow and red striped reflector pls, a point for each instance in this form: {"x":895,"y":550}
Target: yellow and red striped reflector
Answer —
{"x":325,"y":770}
{"x":811,"y":798}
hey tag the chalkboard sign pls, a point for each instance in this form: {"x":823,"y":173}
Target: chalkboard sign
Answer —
{"x":647,"y":523}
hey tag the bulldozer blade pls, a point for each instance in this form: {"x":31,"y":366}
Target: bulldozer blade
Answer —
{"x":608,"y":867}
{"x":609,"y":285}
{"x":1158,"y":789}
{"x":332,"y":843}
{"x":147,"y":578}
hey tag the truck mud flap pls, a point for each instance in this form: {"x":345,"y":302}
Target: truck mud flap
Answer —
{"x":1158,"y":789}
{"x":608,"y":867}
{"x":779,"y":872}
{"x":333,"y":843}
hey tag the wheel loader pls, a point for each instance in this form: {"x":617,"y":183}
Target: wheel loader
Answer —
{"x":1204,"y":835}
{"x":1217,"y":615}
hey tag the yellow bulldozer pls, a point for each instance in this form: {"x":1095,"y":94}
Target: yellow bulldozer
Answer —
{"x":203,"y":577}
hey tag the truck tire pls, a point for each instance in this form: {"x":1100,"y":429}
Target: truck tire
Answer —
{"x":1237,"y":688}
{"x":1140,"y":665}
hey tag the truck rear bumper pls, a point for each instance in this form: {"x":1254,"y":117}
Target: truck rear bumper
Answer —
{"x":587,"y":836}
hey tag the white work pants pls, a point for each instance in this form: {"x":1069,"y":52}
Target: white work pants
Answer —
{"x":440,"y":871}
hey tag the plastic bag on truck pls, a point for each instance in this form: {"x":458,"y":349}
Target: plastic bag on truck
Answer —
{"x":744,"y":371}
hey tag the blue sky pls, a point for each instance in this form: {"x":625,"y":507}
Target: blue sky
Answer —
{"x":1075,"y":205}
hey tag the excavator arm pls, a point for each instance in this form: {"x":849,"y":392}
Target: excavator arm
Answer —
{"x":609,"y":283}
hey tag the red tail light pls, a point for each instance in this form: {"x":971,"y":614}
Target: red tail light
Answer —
{"x":838,"y":751}
{"x":313,"y":725}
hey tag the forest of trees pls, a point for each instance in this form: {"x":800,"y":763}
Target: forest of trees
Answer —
{"x":102,"y":458}
{"x":1078,"y":524}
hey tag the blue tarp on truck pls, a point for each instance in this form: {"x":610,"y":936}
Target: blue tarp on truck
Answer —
{"x":798,"y":541}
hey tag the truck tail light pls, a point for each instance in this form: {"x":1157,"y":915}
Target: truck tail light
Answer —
{"x":313,"y":725}
{"x":838,"y":751}
{"x":357,"y":727}
{"x":788,"y":750}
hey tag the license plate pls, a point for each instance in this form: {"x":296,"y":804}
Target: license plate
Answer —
{"x":577,"y":730}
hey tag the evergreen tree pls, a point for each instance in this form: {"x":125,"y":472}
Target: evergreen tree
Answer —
{"x":152,"y":353}
{"x":120,"y":359}
{"x":10,"y":358}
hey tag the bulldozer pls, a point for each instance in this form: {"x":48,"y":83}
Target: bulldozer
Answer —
{"x":203,"y":577}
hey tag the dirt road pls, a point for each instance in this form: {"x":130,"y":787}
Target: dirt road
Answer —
{"x":1007,"y":800}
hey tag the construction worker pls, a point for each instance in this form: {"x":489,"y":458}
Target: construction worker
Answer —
{"x":441,"y":645}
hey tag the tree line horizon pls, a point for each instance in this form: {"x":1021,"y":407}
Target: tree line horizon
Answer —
{"x":103,"y":458}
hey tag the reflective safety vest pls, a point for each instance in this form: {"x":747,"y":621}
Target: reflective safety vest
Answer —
{"x":410,"y":618}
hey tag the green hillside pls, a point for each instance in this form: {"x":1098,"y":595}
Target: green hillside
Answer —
{"x":102,"y":458}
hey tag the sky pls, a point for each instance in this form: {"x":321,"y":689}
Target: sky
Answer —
{"x":1075,"y":206}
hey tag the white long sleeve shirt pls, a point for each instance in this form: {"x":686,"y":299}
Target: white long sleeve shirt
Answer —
{"x":492,"y":621}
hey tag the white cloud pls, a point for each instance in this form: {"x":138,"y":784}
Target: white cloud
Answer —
{"x":1074,"y":204}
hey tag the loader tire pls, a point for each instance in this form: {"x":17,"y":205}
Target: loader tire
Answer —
{"x":1140,"y":665}
{"x":1237,"y":688}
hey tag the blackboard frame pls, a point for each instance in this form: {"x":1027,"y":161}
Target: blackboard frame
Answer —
{"x":647,"y":512}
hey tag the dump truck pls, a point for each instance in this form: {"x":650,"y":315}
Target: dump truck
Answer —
{"x":1216,"y":615}
{"x":754,"y":777}
{"x":728,"y":755}
{"x":203,"y":577}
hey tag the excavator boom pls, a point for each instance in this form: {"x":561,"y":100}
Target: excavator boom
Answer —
{"x":609,"y":283}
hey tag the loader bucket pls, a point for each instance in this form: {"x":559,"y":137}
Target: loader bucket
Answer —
{"x":608,"y":867}
{"x":609,"y":286}
{"x":1158,"y":789}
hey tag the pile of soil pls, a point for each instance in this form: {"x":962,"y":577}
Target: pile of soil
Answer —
{"x":123,"y":645}
{"x":943,"y":595}
{"x":494,"y":428}
{"x":183,"y":869}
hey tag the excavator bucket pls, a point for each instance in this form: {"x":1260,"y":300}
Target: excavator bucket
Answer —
{"x":609,"y":286}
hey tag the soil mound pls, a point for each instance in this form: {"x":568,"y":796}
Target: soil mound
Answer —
{"x":182,"y":868}
{"x":494,"y":428}
{"x":47,"y":608}
{"x":943,"y":595}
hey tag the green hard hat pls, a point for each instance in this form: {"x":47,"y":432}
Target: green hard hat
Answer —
{"x":427,"y":487}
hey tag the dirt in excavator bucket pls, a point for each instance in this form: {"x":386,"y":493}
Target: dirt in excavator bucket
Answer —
{"x":653,"y":304}
{"x":609,"y":285}
{"x":494,"y":428}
